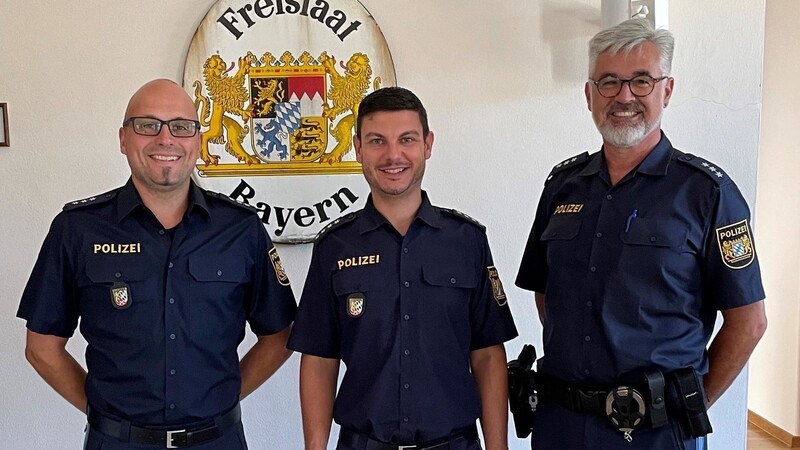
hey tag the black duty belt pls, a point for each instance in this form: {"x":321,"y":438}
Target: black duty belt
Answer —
{"x":356,"y":440}
{"x":178,"y":438}
{"x":551,"y":390}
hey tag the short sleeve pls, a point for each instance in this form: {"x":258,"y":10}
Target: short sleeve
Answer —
{"x":490,"y":317}
{"x":733,"y":275}
{"x":532,"y":274}
{"x":49,"y":302}
{"x":271,"y":306}
{"x":316,"y":328}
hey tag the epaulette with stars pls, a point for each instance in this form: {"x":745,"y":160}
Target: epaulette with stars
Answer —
{"x":93,"y":200}
{"x":333,"y":225}
{"x":567,"y":163}
{"x":461,"y":215}
{"x":227,"y":199}
{"x":712,"y":170}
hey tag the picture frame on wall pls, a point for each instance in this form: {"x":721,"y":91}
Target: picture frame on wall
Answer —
{"x":4,"y":142}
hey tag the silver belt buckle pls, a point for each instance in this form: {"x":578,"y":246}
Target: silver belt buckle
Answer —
{"x":170,"y":438}
{"x":406,"y":447}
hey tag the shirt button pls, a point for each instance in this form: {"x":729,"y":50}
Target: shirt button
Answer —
{"x":117,"y":275}
{"x":586,"y":371}
{"x":405,"y":419}
{"x":172,"y":372}
{"x":171,"y":301}
{"x":405,"y":250}
{"x":653,"y":239}
{"x":593,"y":269}
{"x":219,"y":273}
{"x":407,"y":317}
{"x":406,"y":284}
{"x":161,"y":232}
{"x":406,"y":352}
{"x":406,"y":386}
{"x":589,"y":303}
{"x":609,"y":197}
{"x":170,"y":265}
{"x":452,"y":281}
{"x":598,"y":235}
{"x":172,"y":406}
{"x":172,"y":336}
{"x":587,"y":338}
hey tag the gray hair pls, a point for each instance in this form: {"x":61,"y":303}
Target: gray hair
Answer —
{"x":629,"y":35}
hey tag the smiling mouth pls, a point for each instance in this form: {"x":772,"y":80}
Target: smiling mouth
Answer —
{"x":393,"y":171}
{"x":166,"y":158}
{"x":624,"y":113}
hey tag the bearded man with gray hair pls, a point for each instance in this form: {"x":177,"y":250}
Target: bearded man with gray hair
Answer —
{"x":632,"y":252}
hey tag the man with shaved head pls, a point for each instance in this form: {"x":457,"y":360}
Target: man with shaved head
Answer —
{"x":163,"y":276}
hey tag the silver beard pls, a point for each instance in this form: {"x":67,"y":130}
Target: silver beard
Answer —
{"x":627,"y":136}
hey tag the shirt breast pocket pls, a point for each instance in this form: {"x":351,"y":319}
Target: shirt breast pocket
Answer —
{"x":218,"y":279}
{"x":208,"y":269}
{"x":114,"y":288}
{"x":561,"y":229}
{"x":218,"y":294}
{"x":561,"y":244}
{"x":448,"y":288}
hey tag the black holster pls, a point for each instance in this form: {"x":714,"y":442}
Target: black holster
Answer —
{"x":522,"y":398}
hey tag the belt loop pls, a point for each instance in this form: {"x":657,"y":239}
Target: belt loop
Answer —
{"x":125,"y":430}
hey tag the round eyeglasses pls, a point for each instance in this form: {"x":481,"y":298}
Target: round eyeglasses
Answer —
{"x":640,"y":85}
{"x":150,"y":126}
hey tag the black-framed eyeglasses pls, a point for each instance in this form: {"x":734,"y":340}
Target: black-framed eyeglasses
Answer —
{"x":640,"y":85}
{"x":150,"y":126}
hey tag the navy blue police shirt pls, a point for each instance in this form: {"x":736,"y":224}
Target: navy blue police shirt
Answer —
{"x":403,"y":313}
{"x":162,"y":311}
{"x":634,"y":274}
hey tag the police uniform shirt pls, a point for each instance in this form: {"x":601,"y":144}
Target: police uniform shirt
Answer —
{"x":403,"y":313}
{"x":162,"y":311}
{"x":634,"y":274}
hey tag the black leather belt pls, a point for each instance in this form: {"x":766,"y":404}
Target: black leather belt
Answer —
{"x":551,"y":390}
{"x":178,"y":438}
{"x":356,"y":440}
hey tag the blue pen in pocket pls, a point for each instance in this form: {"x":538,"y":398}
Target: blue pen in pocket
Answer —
{"x":630,"y":219}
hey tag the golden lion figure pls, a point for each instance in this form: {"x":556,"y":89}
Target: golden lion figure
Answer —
{"x":346,"y":92}
{"x":228,"y":95}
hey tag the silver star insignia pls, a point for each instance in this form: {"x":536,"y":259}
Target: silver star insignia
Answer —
{"x":719,"y":175}
{"x":712,"y":168}
{"x":573,"y":159}
{"x":705,"y":164}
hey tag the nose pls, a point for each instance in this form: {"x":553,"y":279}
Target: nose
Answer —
{"x":164,"y":135}
{"x":392,"y":151}
{"x":625,"y":93}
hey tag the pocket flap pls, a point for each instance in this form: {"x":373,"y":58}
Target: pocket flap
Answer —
{"x":438,"y":275}
{"x":223,"y":269}
{"x":107,"y":270}
{"x":561,"y":229}
{"x":655,"y":233}
{"x":350,"y":281}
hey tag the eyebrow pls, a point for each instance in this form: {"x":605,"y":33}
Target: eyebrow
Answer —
{"x":616,"y":75}
{"x":403,"y":134}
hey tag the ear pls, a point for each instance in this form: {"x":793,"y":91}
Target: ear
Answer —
{"x":122,"y":141}
{"x":587,"y":91}
{"x":357,"y":145}
{"x":428,"y":144}
{"x":669,"y":83}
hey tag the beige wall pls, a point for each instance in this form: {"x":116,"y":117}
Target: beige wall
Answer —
{"x":775,"y":365}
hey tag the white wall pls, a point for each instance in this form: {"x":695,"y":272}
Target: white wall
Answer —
{"x":503,"y":83}
{"x":775,"y":368}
